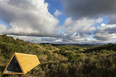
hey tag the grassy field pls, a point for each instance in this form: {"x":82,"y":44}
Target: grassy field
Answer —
{"x":61,"y":60}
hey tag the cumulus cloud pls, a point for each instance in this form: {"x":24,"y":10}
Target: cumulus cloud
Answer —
{"x":99,"y":20}
{"x":82,"y":26}
{"x":28,"y":17}
{"x":31,"y":39}
{"x":51,"y":40}
{"x":75,"y":37}
{"x":105,"y":32}
{"x":34,"y":39}
{"x":91,"y":9}
{"x":112,"y":19}
{"x":3,"y":28}
{"x":57,"y":13}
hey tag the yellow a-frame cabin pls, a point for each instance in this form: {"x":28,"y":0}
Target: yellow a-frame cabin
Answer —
{"x":21,"y":63}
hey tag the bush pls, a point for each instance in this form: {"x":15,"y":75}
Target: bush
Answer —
{"x":52,"y":57}
{"x":0,"y":73}
{"x":74,"y":57}
{"x":62,"y":51}
{"x":46,"y":52}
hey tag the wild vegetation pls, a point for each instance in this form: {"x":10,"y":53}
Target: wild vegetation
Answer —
{"x":61,"y":60}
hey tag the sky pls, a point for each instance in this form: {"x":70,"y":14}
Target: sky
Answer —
{"x":59,"y":21}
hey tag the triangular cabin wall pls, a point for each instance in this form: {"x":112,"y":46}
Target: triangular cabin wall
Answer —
{"x":13,"y":67}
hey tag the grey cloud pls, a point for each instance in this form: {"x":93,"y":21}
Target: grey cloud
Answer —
{"x":112,"y":19}
{"x":49,"y":39}
{"x":31,"y":39}
{"x":110,"y":30}
{"x":71,"y":40}
{"x":90,"y":8}
{"x":105,"y":32}
{"x":103,"y":37}
{"x":74,"y":38}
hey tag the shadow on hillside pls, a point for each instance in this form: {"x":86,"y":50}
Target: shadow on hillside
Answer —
{"x":2,"y":68}
{"x":98,"y":49}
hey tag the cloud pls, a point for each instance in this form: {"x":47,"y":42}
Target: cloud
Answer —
{"x":74,"y":38}
{"x":51,"y":39}
{"x":99,"y":20}
{"x":31,"y":39}
{"x":91,"y":9}
{"x":112,"y":19}
{"x":57,"y":13}
{"x":3,"y":28}
{"x":105,"y":32}
{"x":81,"y":26}
{"x":85,"y":14}
{"x":28,"y":17}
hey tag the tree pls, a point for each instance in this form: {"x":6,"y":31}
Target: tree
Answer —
{"x":109,"y":44}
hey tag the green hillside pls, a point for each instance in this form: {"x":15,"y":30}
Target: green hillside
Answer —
{"x":61,"y":60}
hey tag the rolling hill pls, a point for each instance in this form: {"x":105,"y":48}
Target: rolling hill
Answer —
{"x":61,"y":60}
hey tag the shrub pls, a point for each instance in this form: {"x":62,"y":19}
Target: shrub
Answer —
{"x":74,"y":57}
{"x":62,"y":51}
{"x":52,"y":57}
{"x":0,"y":73}
{"x":46,"y":52}
{"x":36,"y":46}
